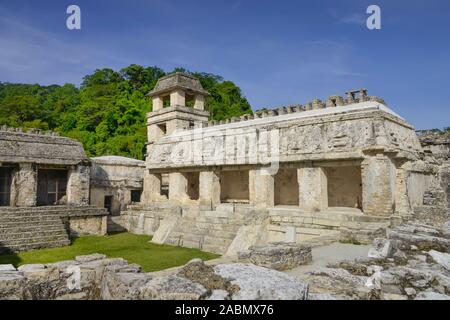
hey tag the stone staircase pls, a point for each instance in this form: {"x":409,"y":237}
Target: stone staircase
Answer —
{"x":335,"y":224}
{"x":211,"y":231}
{"x":24,"y":229}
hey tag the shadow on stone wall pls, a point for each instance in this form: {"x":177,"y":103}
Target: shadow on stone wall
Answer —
{"x":8,"y":257}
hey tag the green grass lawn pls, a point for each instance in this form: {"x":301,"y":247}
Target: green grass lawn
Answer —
{"x":131,"y":247}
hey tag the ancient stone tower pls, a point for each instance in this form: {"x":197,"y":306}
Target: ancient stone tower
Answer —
{"x":178,"y":105}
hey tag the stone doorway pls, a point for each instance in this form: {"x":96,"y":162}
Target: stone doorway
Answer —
{"x":286,"y":191}
{"x":193,"y":184}
{"x":108,"y":203}
{"x":5,"y":186}
{"x":164,"y":185}
{"x":234,"y":186}
{"x":344,"y":185}
{"x":52,"y":185}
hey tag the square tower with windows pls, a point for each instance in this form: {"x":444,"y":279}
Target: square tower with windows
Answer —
{"x":178,"y":104}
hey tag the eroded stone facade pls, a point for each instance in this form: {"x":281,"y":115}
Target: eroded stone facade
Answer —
{"x":44,"y":191}
{"x":342,"y":169}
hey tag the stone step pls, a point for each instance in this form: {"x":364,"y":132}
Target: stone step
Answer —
{"x":226,"y":223}
{"x":216,"y":228}
{"x":31,"y":214}
{"x":209,"y":237}
{"x":25,"y":222}
{"x":29,"y":218}
{"x":31,"y":234}
{"x":36,"y":245}
{"x":26,"y":229}
{"x":15,"y":224}
{"x":33,"y":240}
{"x":213,"y":243}
{"x":34,"y":212}
{"x":31,"y":228}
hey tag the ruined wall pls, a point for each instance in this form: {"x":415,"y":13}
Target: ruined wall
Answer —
{"x":78,"y":185}
{"x":115,"y":176}
{"x":88,"y":225}
{"x":120,"y":197}
{"x":24,"y":186}
{"x":417,"y":184}
{"x":332,"y":133}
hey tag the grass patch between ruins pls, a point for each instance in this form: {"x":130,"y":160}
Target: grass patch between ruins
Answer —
{"x":131,"y":247}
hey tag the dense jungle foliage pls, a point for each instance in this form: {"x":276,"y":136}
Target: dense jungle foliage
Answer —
{"x":107,"y":112}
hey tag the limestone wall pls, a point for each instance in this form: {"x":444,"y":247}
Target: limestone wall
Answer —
{"x":88,"y":225}
{"x":115,"y":176}
{"x":332,"y":133}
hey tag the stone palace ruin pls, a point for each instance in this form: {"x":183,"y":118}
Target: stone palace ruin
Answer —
{"x":344,"y":169}
{"x":50,"y":190}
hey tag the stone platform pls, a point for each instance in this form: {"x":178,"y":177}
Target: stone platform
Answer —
{"x":30,"y":228}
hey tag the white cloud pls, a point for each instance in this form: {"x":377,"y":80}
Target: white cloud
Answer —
{"x":354,"y":18}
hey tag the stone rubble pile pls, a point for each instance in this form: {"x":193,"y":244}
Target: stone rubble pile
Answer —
{"x":95,"y":277}
{"x":413,"y":262}
{"x":277,"y":255}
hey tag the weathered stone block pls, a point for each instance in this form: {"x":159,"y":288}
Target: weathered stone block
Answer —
{"x":171,"y":288}
{"x":259,"y":283}
{"x":11,"y":285}
{"x":278,"y":256}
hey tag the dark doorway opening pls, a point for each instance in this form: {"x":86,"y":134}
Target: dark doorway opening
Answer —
{"x":164,"y":190}
{"x":193,"y":183}
{"x":52,"y":185}
{"x":5,"y":186}
{"x":136,"y":195}
{"x":108,"y":203}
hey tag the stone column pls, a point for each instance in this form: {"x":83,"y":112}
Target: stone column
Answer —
{"x":157,"y":103}
{"x":378,"y":185}
{"x":402,"y":205}
{"x":199,"y":102}
{"x":24,"y":186}
{"x":177,"y":98}
{"x":313,"y":193}
{"x":209,"y":188}
{"x":151,"y":187}
{"x":78,"y":185}
{"x":261,"y":184}
{"x":178,"y":185}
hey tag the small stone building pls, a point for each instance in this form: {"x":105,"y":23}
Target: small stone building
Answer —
{"x":116,"y":182}
{"x":346,"y":168}
{"x":44,"y":191}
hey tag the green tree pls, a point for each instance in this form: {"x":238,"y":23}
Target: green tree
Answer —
{"x":108,"y":112}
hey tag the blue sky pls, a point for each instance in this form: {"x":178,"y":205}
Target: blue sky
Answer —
{"x":278,"y":52}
